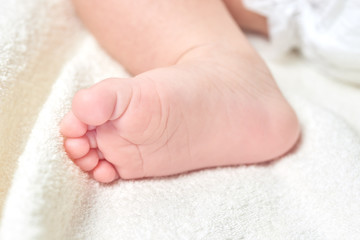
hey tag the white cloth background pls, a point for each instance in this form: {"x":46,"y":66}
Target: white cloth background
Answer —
{"x":46,"y":56}
{"x":327,"y":32}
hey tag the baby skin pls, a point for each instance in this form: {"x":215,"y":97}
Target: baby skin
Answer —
{"x":200,"y":97}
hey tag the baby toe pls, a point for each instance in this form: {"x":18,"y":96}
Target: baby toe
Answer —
{"x":77,"y":147}
{"x":94,"y":105}
{"x":88,"y":162}
{"x":71,"y":126}
{"x":104,"y":101}
{"x":105,"y":172}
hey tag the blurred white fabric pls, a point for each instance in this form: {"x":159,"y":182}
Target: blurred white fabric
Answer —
{"x":327,"y":32}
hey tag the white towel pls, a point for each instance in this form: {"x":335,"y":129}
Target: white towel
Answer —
{"x":36,"y":38}
{"x":312,"y":193}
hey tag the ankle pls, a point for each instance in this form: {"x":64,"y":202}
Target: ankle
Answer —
{"x":218,"y":52}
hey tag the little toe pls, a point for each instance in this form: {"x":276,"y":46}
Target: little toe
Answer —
{"x":88,"y":162}
{"x":71,"y":126}
{"x":77,"y":147}
{"x":105,"y":172}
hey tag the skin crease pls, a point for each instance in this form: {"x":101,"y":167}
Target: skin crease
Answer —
{"x":200,"y":97}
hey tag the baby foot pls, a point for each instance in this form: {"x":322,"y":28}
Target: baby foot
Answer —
{"x":208,"y":110}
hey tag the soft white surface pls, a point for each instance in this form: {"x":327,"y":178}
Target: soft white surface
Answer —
{"x":36,"y":38}
{"x":312,"y":193}
{"x":327,"y":32}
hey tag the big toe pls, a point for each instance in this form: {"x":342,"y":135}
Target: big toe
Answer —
{"x":98,"y":104}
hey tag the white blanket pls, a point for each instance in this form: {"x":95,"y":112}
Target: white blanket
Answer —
{"x":46,"y":56}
